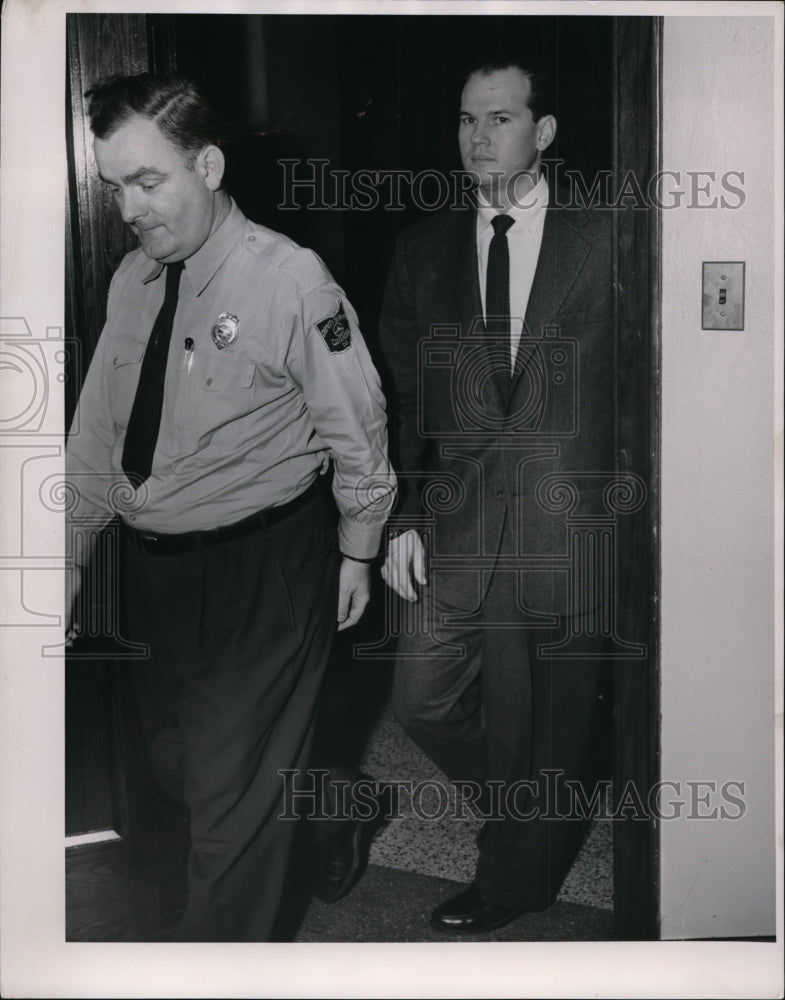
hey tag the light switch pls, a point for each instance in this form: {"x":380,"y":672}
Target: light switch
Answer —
{"x":723,"y":295}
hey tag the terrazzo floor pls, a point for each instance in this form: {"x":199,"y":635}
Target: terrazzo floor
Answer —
{"x":444,"y":847}
{"x":389,"y":905}
{"x":416,"y":863}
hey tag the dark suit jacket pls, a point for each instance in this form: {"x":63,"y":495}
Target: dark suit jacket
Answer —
{"x":474,"y":445}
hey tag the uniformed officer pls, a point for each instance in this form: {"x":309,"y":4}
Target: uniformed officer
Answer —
{"x":229,"y":377}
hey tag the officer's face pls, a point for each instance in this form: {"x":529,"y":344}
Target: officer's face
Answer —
{"x":499,"y":140}
{"x":168,"y":201}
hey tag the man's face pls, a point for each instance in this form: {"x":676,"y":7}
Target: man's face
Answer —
{"x":498,"y":136}
{"x":168,"y":202}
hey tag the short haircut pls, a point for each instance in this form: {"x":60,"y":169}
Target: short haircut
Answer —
{"x":542,"y":99}
{"x":172,"y":102}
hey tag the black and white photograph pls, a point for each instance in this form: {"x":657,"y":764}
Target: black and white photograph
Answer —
{"x":392,"y":499}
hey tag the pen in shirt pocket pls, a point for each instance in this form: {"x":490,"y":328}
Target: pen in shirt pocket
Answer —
{"x":189,"y":355}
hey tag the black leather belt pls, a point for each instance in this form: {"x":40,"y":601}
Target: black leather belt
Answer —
{"x":166,"y":544}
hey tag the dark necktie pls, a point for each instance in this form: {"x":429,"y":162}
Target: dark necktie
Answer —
{"x":497,"y":291}
{"x":145,"y":419}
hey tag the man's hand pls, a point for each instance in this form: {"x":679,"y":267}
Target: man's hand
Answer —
{"x":405,"y":559}
{"x":73,"y":584}
{"x":354,"y":591}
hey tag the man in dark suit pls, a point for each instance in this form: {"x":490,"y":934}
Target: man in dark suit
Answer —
{"x":497,"y":334}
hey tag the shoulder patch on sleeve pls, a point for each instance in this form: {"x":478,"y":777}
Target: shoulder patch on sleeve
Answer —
{"x":335,"y":331}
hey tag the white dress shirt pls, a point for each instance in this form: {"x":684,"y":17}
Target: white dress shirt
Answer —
{"x":524,"y":239}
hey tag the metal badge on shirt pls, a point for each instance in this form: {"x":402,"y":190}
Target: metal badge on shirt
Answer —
{"x":336,"y":331}
{"x":225,"y":331}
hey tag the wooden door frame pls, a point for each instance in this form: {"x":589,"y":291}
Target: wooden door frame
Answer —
{"x":637,"y":71}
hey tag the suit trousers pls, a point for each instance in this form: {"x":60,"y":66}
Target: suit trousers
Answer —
{"x":239,"y":634}
{"x":479,"y":695}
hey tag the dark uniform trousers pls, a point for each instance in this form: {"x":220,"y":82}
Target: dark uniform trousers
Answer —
{"x":539,"y":715}
{"x":239,"y":635}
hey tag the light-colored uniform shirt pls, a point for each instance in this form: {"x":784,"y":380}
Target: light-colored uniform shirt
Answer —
{"x":524,"y":239}
{"x":248,"y":425}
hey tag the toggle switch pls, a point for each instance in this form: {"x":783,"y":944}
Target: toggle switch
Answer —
{"x":723,"y":295}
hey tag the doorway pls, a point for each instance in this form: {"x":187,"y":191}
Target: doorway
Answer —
{"x":314,"y":101}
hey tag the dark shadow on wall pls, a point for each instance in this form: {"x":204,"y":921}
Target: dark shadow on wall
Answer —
{"x":374,"y":94}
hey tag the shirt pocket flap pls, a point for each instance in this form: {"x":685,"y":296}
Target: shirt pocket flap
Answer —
{"x":128,"y":355}
{"x":228,"y":373}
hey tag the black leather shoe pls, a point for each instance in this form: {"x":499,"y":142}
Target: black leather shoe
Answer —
{"x":471,"y":912}
{"x":342,"y":857}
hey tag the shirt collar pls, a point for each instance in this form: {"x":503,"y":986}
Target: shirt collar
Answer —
{"x":527,"y":214}
{"x":202,"y":265}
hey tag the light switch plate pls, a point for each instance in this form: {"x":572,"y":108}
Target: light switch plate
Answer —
{"x":723,"y":295}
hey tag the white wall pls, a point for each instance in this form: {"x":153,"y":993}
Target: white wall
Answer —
{"x":717,"y":877}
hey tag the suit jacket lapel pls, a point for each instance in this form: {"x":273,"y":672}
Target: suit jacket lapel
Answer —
{"x":563,"y":253}
{"x":461,"y":288}
{"x":462,"y":293}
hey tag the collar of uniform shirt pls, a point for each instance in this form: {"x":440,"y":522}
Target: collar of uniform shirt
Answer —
{"x":202,"y":266}
{"x":528,"y":214}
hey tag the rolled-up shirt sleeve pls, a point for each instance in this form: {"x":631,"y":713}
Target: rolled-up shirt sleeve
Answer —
{"x":342,"y":391}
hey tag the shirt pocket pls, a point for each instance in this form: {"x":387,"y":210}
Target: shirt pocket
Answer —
{"x":221,"y":374}
{"x":126,"y":366}
{"x":218,"y":392}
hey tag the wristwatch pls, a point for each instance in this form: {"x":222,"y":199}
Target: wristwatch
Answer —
{"x":368,"y":562}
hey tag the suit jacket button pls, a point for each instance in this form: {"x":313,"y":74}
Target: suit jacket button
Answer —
{"x":500,"y":494}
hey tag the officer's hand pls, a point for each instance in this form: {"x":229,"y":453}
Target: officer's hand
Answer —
{"x":354,"y":590}
{"x":405,"y":558}
{"x":73,"y":584}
